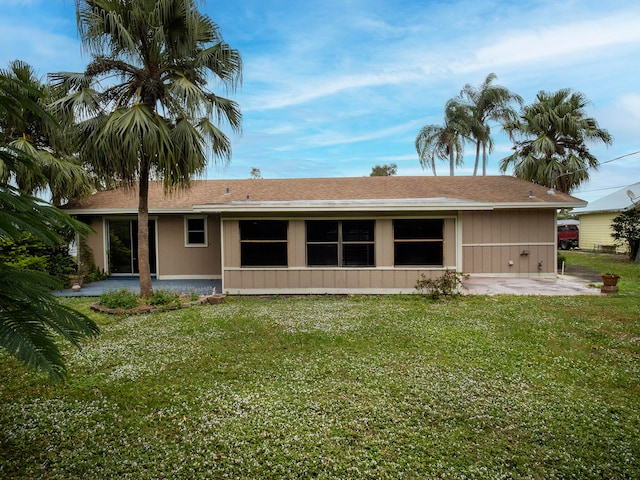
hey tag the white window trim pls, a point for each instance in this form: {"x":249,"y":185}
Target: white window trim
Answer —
{"x":186,"y":232}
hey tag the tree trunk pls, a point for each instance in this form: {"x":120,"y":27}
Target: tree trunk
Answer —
{"x":484,"y":159}
{"x":475,"y":165}
{"x":451,"y":163}
{"x":146,"y":289}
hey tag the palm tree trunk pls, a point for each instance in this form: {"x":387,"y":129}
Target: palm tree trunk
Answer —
{"x":475,"y":165}
{"x":451,"y":163}
{"x":484,"y":159}
{"x":146,"y":289}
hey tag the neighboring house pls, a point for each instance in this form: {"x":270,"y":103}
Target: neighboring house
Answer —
{"x":596,"y":218}
{"x":332,"y":235}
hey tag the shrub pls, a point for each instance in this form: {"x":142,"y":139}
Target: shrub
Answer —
{"x":122,"y":298}
{"x":30,"y":253}
{"x":561,"y":259}
{"x":162,"y":297}
{"x":626,"y":230}
{"x":445,"y":286}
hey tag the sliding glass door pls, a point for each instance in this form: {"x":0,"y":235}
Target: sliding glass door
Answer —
{"x":123,"y":247}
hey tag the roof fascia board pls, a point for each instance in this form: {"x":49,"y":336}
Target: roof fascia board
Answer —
{"x":127,"y":211}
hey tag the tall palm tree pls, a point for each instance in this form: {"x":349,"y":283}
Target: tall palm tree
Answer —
{"x":550,"y":141}
{"x":154,"y":115}
{"x":487,"y":103}
{"x":31,"y":319}
{"x":44,"y":139}
{"x":444,"y":142}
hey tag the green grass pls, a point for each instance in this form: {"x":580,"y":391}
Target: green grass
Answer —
{"x":608,"y":263}
{"x":339,"y":388}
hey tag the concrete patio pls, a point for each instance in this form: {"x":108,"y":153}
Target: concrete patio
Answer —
{"x":575,"y":281}
{"x":95,"y":289}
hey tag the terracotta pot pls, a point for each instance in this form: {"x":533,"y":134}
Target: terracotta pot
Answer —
{"x":609,"y":283}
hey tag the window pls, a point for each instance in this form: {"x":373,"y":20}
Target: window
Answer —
{"x":263,"y":243}
{"x":346,"y":243}
{"x":195,"y":231}
{"x":418,"y":242}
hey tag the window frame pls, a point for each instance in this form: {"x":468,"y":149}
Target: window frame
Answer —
{"x":187,"y":231}
{"x":263,"y":243}
{"x":428,"y":241}
{"x":340,"y":243}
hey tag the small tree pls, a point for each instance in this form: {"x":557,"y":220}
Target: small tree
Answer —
{"x":256,"y":173}
{"x":384,"y":170}
{"x":626,"y":229}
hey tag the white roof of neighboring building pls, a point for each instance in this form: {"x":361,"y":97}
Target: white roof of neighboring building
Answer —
{"x":616,"y":202}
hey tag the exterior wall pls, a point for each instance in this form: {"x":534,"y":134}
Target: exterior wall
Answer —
{"x":95,"y":241}
{"x":495,"y":243}
{"x":175,"y":260}
{"x":595,"y":231}
{"x":298,"y":278}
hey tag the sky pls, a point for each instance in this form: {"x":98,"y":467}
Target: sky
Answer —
{"x":332,"y":88}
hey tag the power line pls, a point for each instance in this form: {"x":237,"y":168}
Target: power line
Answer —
{"x":621,"y":156}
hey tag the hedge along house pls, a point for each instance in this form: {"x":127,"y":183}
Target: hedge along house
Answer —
{"x":332,"y":235}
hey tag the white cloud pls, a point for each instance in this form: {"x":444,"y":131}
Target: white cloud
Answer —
{"x":562,"y":41}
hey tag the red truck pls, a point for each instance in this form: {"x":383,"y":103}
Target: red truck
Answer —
{"x":568,"y":234}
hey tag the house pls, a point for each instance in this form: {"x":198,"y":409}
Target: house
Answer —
{"x":596,"y":218}
{"x":331,"y":235}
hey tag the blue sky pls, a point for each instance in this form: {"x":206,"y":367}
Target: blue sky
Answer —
{"x":332,"y":88}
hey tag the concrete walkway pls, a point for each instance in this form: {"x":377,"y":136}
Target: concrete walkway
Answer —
{"x":95,"y":289}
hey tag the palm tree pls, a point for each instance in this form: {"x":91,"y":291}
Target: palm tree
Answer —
{"x":154,"y":115}
{"x":554,"y":132}
{"x":43,"y":138}
{"x":487,"y":103}
{"x":31,"y":319}
{"x":444,"y":142}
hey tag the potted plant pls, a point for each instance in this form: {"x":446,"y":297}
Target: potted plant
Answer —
{"x":609,"y":282}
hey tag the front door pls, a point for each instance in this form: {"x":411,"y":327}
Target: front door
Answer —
{"x":123,"y":247}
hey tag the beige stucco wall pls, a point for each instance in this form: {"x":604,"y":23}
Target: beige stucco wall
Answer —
{"x":496,"y":242}
{"x":595,"y":230}
{"x":175,"y":260}
{"x":95,"y":241}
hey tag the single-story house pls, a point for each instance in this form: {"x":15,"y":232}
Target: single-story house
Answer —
{"x":596,"y":218}
{"x":331,"y":235}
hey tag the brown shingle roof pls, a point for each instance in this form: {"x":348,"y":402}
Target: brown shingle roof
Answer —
{"x":487,"y":190}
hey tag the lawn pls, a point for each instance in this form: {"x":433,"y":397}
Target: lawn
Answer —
{"x":339,"y":388}
{"x":608,"y":263}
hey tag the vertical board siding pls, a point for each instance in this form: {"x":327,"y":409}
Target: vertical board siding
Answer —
{"x":493,"y":239}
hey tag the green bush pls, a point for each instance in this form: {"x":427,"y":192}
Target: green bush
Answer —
{"x":561,"y":259}
{"x":445,"y":286}
{"x":29,"y":253}
{"x":162,"y":297}
{"x":122,"y":298}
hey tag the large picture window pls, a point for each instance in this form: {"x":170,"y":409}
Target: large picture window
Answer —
{"x":418,"y":242}
{"x":340,"y":243}
{"x":263,"y":243}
